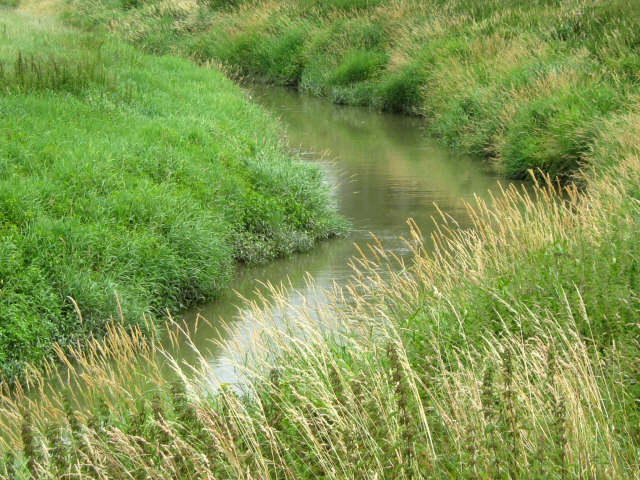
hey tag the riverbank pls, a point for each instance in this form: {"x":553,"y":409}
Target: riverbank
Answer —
{"x":504,"y":351}
{"x":131,"y":184}
{"x":526,"y":86}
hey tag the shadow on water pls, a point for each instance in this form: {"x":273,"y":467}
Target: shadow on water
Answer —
{"x":383,"y":171}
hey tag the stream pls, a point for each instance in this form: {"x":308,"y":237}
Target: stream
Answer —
{"x":383,"y":171}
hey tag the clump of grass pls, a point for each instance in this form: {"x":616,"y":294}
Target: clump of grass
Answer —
{"x":26,"y":74}
{"x":357,"y":66}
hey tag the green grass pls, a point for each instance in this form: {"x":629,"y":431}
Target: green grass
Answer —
{"x":6,"y":4}
{"x":503,"y":351}
{"x":130,"y":184}
{"x":524,"y":85}
{"x":508,"y":352}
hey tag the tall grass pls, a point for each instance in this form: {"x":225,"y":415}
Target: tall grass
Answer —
{"x":29,"y":74}
{"x":133,"y":182}
{"x":442,"y":369}
{"x":525,"y":85}
{"x":504,"y":351}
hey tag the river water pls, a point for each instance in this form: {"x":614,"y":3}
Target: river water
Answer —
{"x":383,"y":171}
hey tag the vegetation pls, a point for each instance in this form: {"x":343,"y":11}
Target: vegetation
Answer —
{"x":9,"y":4}
{"x":503,"y":351}
{"x":526,"y":84}
{"x":507,"y":353}
{"x":129,"y":184}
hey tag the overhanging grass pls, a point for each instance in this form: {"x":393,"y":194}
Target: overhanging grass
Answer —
{"x":505,"y":351}
{"x":130,"y":183}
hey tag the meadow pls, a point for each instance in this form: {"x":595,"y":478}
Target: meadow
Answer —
{"x":130,"y":185}
{"x":523,"y":84}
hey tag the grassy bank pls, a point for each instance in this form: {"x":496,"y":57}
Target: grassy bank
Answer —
{"x":524,"y":84}
{"x":130,"y":184}
{"x":509,"y":352}
{"x":504,"y":351}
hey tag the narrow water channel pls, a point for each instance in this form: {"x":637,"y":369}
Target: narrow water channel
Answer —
{"x":383,"y":171}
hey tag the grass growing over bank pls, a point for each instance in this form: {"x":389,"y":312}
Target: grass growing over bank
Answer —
{"x":508,"y":352}
{"x":130,"y":184}
{"x":524,"y":84}
{"x":503,"y":351}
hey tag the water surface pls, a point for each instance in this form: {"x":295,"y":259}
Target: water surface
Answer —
{"x":383,"y":171}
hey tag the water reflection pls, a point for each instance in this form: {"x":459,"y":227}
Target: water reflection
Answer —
{"x":384,"y":171}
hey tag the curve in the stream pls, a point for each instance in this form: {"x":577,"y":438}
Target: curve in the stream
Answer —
{"x":384,"y":171}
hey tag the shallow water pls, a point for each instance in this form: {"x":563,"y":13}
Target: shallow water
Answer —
{"x":383,"y":171}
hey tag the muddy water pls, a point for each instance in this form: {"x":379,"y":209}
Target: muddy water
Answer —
{"x":383,"y":171}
